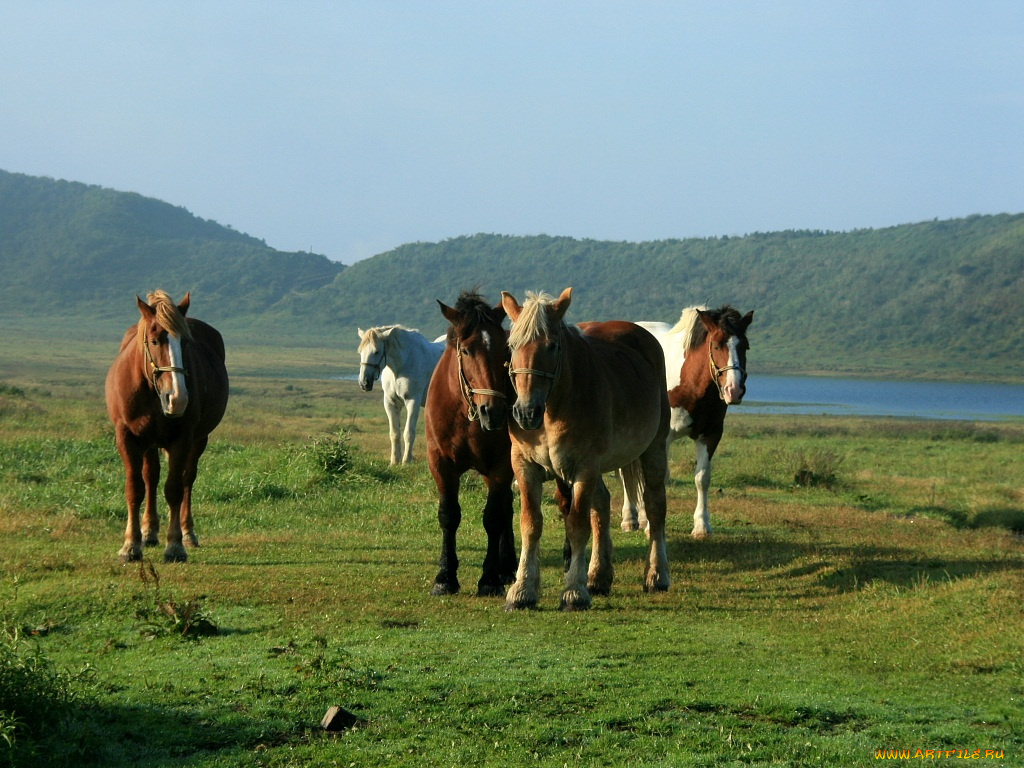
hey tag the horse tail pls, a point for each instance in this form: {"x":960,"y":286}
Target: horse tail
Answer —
{"x":633,"y":478}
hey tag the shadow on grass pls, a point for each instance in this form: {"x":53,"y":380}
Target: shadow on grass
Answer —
{"x":158,"y":737}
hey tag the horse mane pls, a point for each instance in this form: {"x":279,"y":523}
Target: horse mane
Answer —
{"x":374,"y":337}
{"x":534,"y":320}
{"x":473,"y":310}
{"x":693,"y":330}
{"x":168,"y":315}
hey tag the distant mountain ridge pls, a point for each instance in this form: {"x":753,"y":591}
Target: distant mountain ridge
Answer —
{"x":938,"y":298}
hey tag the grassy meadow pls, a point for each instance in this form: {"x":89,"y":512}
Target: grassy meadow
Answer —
{"x":861,"y":592}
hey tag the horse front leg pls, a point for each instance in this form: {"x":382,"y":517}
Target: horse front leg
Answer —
{"x":151,"y":517}
{"x":705,"y":445}
{"x":449,"y":517}
{"x":499,"y":563}
{"x":392,"y":408}
{"x":576,"y":596}
{"x":134,"y":493}
{"x":174,"y":494}
{"x":525,"y":591}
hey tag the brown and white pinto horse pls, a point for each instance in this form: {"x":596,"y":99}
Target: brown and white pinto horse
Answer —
{"x":466,"y":429}
{"x":167,"y":389}
{"x":589,"y":400}
{"x":706,"y":363}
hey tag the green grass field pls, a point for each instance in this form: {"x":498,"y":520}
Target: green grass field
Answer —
{"x":862,"y":592}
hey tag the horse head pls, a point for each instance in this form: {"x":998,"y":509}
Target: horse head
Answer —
{"x":372,"y":357}
{"x":163,"y":334}
{"x":727,"y":351}
{"x":535,"y":345}
{"x":479,"y":341}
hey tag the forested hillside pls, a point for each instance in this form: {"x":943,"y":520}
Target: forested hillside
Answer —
{"x":938,"y":298}
{"x":90,"y":249}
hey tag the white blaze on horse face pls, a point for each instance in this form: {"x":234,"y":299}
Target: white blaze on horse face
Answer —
{"x":177,"y":399}
{"x":733,"y":388}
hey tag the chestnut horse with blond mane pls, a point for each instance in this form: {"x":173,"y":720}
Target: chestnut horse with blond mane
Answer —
{"x":467,"y":429}
{"x":166,"y":390}
{"x":590,"y":399}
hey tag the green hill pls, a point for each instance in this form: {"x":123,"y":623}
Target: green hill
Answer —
{"x":939,"y":298}
{"x":90,"y":249}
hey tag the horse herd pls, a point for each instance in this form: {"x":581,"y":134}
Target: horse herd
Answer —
{"x":546,"y":400}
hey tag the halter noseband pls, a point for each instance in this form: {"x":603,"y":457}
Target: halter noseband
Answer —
{"x":468,"y":391}
{"x":536,"y":372}
{"x":716,"y":372}
{"x":383,"y":361}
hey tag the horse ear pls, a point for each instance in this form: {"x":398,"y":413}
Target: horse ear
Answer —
{"x":361,"y":332}
{"x":499,"y":312}
{"x":512,"y":307}
{"x":144,"y":308}
{"x":747,"y":319}
{"x":450,"y":314}
{"x":706,"y":321}
{"x":562,"y":303}
{"x":183,"y":306}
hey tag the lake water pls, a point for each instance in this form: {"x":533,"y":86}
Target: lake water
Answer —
{"x":858,"y":397}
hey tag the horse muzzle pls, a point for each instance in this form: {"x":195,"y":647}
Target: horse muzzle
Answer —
{"x":733,"y":395}
{"x":173,"y":406}
{"x":528,"y":416}
{"x":493,"y":417}
{"x":366,"y":384}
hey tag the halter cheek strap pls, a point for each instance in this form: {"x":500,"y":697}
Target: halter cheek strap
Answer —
{"x":716,"y":372}
{"x":154,"y":369}
{"x":468,"y":391}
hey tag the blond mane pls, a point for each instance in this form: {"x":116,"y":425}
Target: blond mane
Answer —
{"x":533,"y":322}
{"x":168,"y":315}
{"x":690,"y":327}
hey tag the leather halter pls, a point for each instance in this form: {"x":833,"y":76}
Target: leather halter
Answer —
{"x":154,"y":369}
{"x":716,"y":372}
{"x":468,"y":391}
{"x":383,"y":361}
{"x":536,"y":372}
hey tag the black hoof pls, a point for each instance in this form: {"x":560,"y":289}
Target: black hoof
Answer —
{"x":440,"y":589}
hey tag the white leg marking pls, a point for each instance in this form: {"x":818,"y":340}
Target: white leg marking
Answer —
{"x":702,"y":480}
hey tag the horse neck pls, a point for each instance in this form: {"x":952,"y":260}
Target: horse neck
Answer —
{"x":694,"y":380}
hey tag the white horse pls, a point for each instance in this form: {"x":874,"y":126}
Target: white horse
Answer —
{"x":404,"y":360}
{"x":700,"y":387}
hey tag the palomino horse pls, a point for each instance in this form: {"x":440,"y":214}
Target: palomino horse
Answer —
{"x":589,"y":400}
{"x":167,"y":389}
{"x":706,"y":364}
{"x":466,"y":429}
{"x":403,"y":359}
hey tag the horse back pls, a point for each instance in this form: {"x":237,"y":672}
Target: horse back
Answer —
{"x":615,"y":337}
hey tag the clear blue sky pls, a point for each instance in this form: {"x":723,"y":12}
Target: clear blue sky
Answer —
{"x":350,"y":127}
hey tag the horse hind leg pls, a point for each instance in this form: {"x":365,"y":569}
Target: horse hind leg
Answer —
{"x":412,"y":411}
{"x":601,"y":572}
{"x":630,"y":516}
{"x":656,"y":572}
{"x":187,"y":522}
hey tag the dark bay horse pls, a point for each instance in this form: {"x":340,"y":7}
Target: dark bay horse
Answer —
{"x":466,"y":429}
{"x":166,"y":390}
{"x":590,"y":399}
{"x":706,"y":364}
